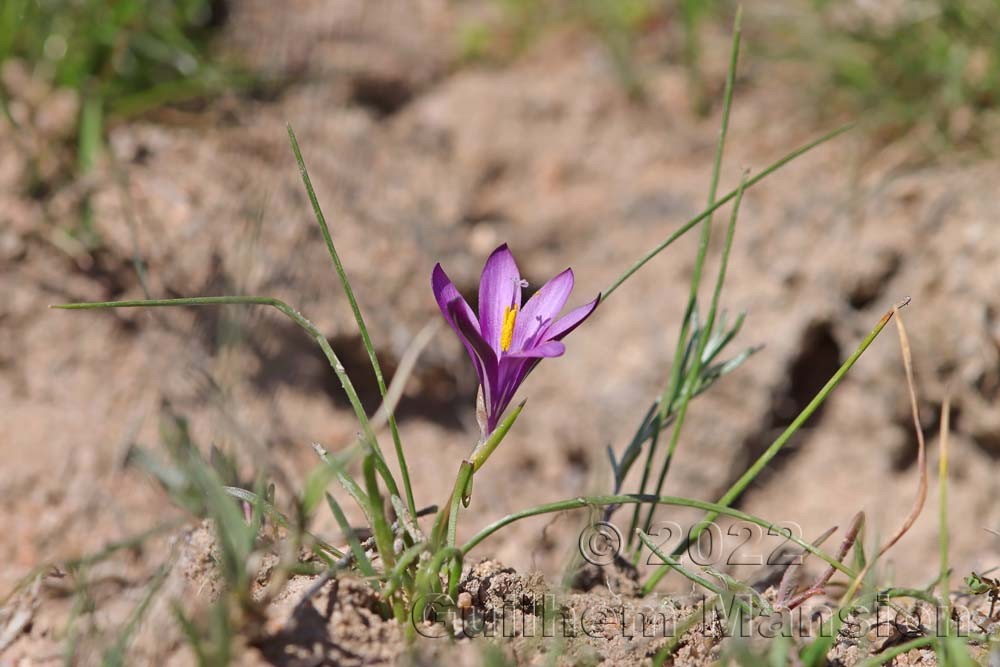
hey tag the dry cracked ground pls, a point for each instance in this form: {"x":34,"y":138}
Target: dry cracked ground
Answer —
{"x":416,"y":159}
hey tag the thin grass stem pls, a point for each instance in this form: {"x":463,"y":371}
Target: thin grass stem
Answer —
{"x":338,"y":368}
{"x":691,"y":382}
{"x":356,"y":309}
{"x":380,"y":526}
{"x":631,"y":498}
{"x":673,"y":563}
{"x":686,"y":227}
{"x":744,"y":481}
{"x":360,"y":557}
{"x":944,"y":582}
{"x":670,"y":391}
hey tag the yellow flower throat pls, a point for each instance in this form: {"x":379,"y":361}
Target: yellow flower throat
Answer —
{"x":507,"y":330}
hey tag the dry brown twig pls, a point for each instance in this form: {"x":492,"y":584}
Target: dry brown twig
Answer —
{"x":918,"y":502}
{"x":819,"y":585}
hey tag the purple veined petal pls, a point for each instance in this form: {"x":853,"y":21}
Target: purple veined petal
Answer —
{"x":570,"y":320}
{"x":467,"y":326}
{"x":511,"y":373}
{"x":499,"y":288}
{"x":446,"y":293}
{"x":551,"y":348}
{"x":541,"y":310}
{"x":482,"y":353}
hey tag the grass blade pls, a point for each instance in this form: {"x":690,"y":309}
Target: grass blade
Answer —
{"x":583,"y":502}
{"x":672,"y":563}
{"x":686,"y":227}
{"x":277,"y":517}
{"x":380,"y":526}
{"x":690,"y":382}
{"x":338,"y":368}
{"x":821,"y":645}
{"x":362,"y":328}
{"x":744,"y":481}
{"x":944,"y":582}
{"x":670,"y":391}
{"x":360,"y":557}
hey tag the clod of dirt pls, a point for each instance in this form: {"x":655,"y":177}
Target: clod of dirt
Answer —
{"x":600,"y":626}
{"x":341,"y":624}
{"x":494,"y":586}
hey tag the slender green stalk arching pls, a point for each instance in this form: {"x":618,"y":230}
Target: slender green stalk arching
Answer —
{"x":725,"y":199}
{"x":488,"y":446}
{"x":356,"y":309}
{"x":689,"y":386}
{"x":673,"y":563}
{"x":632,"y":498}
{"x":403,"y":563}
{"x":679,"y":389}
{"x":295,"y":316}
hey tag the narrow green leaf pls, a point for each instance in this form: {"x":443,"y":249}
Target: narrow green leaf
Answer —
{"x":338,"y":368}
{"x":356,"y":309}
{"x":751,"y":473}
{"x":583,"y":502}
{"x":687,"y":226}
{"x":360,"y":557}
{"x":483,"y":451}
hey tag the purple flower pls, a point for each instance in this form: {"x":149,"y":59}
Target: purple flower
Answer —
{"x":507,"y":340}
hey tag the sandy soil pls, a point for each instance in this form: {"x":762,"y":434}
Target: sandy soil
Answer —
{"x":418,"y":160}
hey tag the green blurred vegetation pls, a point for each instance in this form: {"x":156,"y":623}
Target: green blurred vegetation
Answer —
{"x":618,"y":25}
{"x":932,"y":64}
{"x":98,"y":62}
{"x":122,"y":57}
{"x":927,"y":64}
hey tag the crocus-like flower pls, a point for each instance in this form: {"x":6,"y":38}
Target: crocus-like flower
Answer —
{"x":507,"y":340}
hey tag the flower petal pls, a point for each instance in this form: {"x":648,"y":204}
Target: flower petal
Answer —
{"x":499,"y":288}
{"x":511,"y":373}
{"x":551,"y":348}
{"x":445,"y":293}
{"x":482,"y":354}
{"x":449,"y":299}
{"x":570,"y":320}
{"x":541,"y":310}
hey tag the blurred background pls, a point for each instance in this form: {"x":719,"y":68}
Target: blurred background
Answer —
{"x":143,"y":152}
